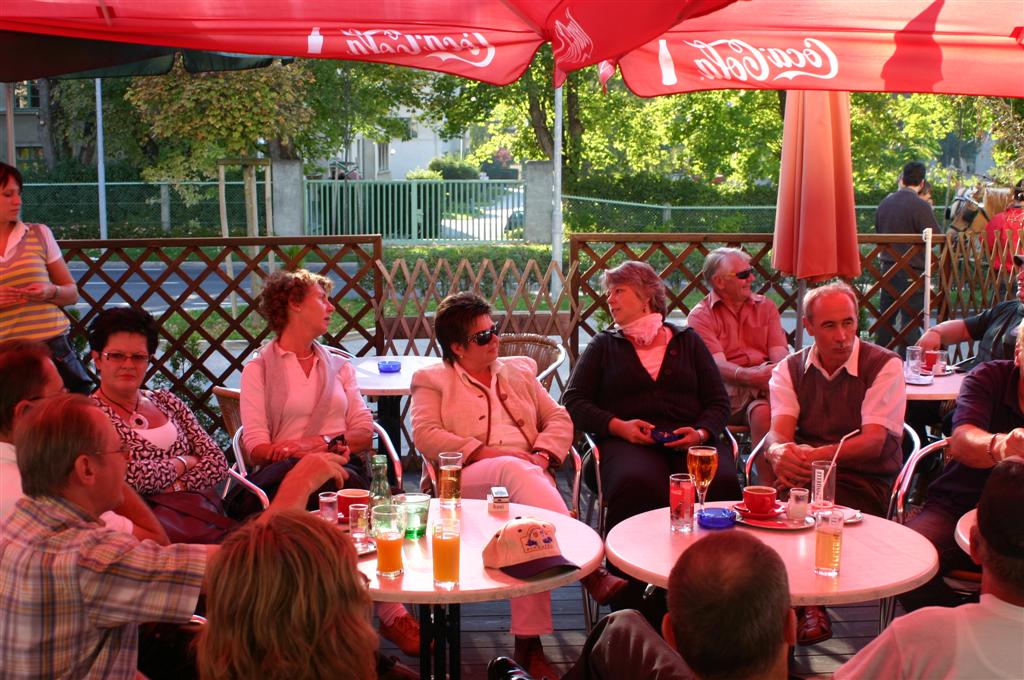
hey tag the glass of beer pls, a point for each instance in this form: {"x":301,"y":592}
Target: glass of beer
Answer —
{"x":388,"y":528}
{"x":444,"y":546}
{"x":702,"y":463}
{"x":828,"y":542}
{"x":450,"y":492}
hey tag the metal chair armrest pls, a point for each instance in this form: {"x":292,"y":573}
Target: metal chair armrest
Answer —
{"x":396,"y":460}
{"x":241,"y":479}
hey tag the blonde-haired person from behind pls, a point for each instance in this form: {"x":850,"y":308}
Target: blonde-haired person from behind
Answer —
{"x":286,"y":601}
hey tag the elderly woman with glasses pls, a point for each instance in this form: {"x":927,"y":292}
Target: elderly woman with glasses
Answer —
{"x":510,"y":431}
{"x":641,"y":378}
{"x":168,"y":448}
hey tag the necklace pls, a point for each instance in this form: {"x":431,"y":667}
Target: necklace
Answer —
{"x":135,"y":419}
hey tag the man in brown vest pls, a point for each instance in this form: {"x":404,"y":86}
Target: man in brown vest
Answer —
{"x":836,"y":386}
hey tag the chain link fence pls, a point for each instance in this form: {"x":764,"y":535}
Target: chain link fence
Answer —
{"x":589,"y":215}
{"x":138,"y":209}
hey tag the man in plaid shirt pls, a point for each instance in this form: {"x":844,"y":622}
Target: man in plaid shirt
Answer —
{"x":72,"y":592}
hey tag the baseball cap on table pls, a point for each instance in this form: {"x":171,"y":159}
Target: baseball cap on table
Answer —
{"x":525,"y":547}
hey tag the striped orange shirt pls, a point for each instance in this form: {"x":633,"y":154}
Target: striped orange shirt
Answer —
{"x":27,"y":264}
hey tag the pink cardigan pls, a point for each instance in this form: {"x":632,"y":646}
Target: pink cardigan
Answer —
{"x":449,"y":415}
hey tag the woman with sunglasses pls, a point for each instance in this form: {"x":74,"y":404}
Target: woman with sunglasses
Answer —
{"x":168,"y":449}
{"x":511,"y":433}
{"x":645,"y":374}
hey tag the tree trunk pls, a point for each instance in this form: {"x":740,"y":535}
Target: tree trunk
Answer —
{"x":538,"y":116}
{"x":282,"y":149}
{"x":574,"y":162}
{"x":46,"y":116}
{"x":782,"y":104}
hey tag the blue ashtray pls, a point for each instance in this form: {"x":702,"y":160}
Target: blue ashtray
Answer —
{"x":716,"y":518}
{"x":389,"y":366}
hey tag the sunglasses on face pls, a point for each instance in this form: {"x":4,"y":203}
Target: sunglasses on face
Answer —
{"x":483,"y":337}
{"x":745,"y":274}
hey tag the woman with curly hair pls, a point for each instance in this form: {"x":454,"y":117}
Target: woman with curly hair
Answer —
{"x":297,"y":398}
{"x":285,"y":601}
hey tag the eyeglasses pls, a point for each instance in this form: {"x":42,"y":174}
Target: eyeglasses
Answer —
{"x":483,"y":337}
{"x":120,"y":358}
{"x":745,"y":274}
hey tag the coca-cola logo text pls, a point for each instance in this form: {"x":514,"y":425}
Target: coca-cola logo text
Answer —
{"x":734,"y":59}
{"x":470,"y":48}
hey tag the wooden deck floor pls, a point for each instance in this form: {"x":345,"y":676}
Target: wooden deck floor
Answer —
{"x":485,"y":633}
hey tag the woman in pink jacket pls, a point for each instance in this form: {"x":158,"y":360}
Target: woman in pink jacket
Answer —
{"x":511,"y":433}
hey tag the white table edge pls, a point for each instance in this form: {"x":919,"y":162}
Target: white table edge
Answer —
{"x":846,"y":597}
{"x":522,"y":586}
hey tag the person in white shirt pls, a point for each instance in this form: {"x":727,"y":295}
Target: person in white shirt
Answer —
{"x":972,"y":641}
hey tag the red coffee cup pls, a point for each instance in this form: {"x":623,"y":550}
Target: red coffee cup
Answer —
{"x":928,"y":360}
{"x":759,"y":499}
{"x":347,"y":497}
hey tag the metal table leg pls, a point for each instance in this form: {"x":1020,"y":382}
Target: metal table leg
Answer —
{"x":441,"y":625}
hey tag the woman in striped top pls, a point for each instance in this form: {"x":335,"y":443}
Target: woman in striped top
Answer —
{"x":35,"y":284}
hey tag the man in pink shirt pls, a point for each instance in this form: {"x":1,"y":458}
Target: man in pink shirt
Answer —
{"x":743,"y":332}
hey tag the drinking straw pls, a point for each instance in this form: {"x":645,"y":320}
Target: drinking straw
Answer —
{"x":832,"y":465}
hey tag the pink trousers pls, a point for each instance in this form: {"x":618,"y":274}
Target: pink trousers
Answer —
{"x":530,"y":485}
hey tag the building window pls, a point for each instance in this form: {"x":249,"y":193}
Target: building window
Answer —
{"x":383,"y":157}
{"x":26,"y":95}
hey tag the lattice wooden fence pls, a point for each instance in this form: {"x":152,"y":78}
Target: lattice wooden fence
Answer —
{"x":962,"y":280}
{"x":204,"y":289}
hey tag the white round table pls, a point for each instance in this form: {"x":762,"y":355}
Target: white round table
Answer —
{"x":373,"y":383}
{"x":439,"y":613}
{"x":879,"y":558}
{"x":963,"y":529}
{"x":943,"y":388}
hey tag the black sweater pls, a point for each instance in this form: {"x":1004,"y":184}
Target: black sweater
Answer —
{"x":609,"y":380}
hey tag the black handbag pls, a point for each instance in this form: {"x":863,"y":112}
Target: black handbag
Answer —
{"x":69,"y":365}
{"x":192,"y":516}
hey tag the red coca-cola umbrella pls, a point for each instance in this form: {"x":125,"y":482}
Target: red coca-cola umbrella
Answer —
{"x":939,"y":46}
{"x":815,"y":224}
{"x":488,"y":40}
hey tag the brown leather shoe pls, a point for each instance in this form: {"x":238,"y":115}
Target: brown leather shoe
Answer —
{"x":530,"y":654}
{"x":602,"y":585}
{"x":812,"y":625}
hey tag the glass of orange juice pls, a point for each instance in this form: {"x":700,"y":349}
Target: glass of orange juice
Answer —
{"x":444,"y":545}
{"x":388,"y":530}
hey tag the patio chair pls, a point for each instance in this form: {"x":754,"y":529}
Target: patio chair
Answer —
{"x":591,"y":479}
{"x":901,"y":510}
{"x":548,"y":354}
{"x":228,"y":399}
{"x":908,"y":433}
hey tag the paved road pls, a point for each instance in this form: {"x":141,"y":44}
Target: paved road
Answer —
{"x":174,"y":286}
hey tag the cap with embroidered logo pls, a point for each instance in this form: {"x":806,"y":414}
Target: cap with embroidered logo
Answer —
{"x":525,"y":547}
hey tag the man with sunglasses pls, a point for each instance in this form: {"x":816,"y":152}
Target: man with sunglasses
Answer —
{"x":744,"y":334}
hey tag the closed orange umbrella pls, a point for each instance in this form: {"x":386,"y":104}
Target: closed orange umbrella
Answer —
{"x":815,"y":222}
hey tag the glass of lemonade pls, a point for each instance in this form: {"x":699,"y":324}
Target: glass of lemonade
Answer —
{"x":388,"y":528}
{"x":702,"y":463}
{"x":444,"y":546}
{"x":828,"y":542}
{"x":450,"y":481}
